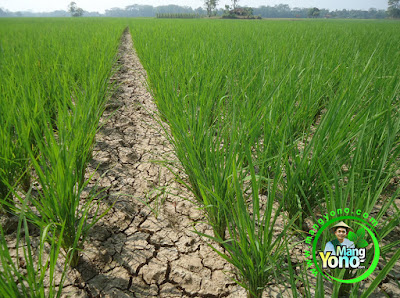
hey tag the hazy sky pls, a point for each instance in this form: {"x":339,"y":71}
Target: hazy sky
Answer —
{"x":101,"y":5}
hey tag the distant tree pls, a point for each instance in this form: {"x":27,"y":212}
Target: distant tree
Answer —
{"x":394,"y":8}
{"x":116,"y":12}
{"x":284,"y":10}
{"x":227,"y":8}
{"x":72,"y":7}
{"x":75,"y":10}
{"x":2,"y":13}
{"x":313,"y":12}
{"x":234,"y":3}
{"x":137,"y":10}
{"x":199,"y":11}
{"x":210,"y":6}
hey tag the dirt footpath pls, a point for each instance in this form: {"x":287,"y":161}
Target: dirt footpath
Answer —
{"x":131,"y":252}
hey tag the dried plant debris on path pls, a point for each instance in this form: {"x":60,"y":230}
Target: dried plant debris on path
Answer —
{"x":130,"y":252}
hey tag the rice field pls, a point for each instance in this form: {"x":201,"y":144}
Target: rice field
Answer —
{"x":273,"y":124}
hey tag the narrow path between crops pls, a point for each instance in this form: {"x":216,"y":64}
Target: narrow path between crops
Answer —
{"x":132,"y":252}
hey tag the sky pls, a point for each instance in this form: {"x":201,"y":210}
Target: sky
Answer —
{"x":102,"y":5}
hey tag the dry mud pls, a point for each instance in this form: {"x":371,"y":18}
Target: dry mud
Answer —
{"x":135,"y":251}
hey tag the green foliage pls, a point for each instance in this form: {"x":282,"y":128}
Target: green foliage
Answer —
{"x":54,"y":81}
{"x":358,"y":238}
{"x":178,"y":15}
{"x":40,"y":264}
{"x":313,"y":12}
{"x":257,"y":115}
{"x":210,"y":6}
{"x":394,"y":8}
{"x":239,"y":12}
{"x":266,"y":119}
{"x":75,"y":10}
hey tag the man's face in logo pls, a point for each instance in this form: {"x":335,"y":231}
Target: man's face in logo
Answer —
{"x":341,"y":233}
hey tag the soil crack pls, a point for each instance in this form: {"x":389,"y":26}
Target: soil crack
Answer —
{"x":153,"y":252}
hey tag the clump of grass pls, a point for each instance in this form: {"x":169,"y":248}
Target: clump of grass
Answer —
{"x":316,"y":120}
{"x":31,"y":274}
{"x":54,"y":94}
{"x":252,"y":245}
{"x":58,"y":201}
{"x":10,"y":154}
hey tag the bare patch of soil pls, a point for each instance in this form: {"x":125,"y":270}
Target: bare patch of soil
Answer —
{"x":131,"y":252}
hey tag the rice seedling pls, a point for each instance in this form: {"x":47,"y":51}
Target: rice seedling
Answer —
{"x":31,"y":272}
{"x":302,"y":114}
{"x":242,"y":97}
{"x":58,"y":201}
{"x":56,"y":117}
{"x":363,"y":186}
{"x":11,"y":154}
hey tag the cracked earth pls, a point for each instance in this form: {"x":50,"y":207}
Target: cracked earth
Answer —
{"x":140,"y":250}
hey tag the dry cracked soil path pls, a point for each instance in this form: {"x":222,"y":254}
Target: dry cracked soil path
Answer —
{"x":135,"y":251}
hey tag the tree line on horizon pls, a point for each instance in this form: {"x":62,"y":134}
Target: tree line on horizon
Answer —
{"x":277,"y":11}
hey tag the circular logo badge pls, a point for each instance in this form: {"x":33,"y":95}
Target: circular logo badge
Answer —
{"x":344,"y":257}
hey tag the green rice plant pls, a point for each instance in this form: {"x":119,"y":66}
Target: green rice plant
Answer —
{"x":10,"y":154}
{"x":365,"y":184}
{"x":58,"y":172}
{"x":201,"y":130}
{"x":55,"y":81}
{"x":31,"y":274}
{"x":360,"y":104}
{"x":386,"y":225}
{"x":205,"y":162}
{"x":326,"y":149}
{"x":241,"y":97}
{"x":371,"y":164}
{"x":62,"y":88}
{"x":251,"y":247}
